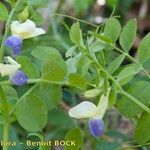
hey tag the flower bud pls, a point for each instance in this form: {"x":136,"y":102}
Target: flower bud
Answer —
{"x":19,"y":78}
{"x":24,"y":15}
{"x":14,"y":42}
{"x":96,"y":127}
{"x":92,"y":93}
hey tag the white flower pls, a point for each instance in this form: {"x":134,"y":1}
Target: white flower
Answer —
{"x":88,"y":109}
{"x":10,"y":68}
{"x":26,"y":29}
{"x":95,"y":114}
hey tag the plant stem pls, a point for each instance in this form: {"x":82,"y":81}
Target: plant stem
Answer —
{"x":5,"y":134}
{"x":77,"y":19}
{"x":131,"y":58}
{"x":121,"y":90}
{"x":5,"y":111}
{"x":7,"y":27}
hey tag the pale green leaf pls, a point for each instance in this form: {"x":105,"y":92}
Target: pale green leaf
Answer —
{"x":112,"y":29}
{"x":27,"y":66}
{"x":3,"y":12}
{"x":77,"y":81}
{"x":142,"y":131}
{"x":144,"y":49}
{"x":54,"y":67}
{"x":76,"y":34}
{"x":71,"y":51}
{"x":76,"y":136}
{"x":114,"y":65}
{"x":51,"y":94}
{"x":138,"y":89}
{"x":128,"y":35}
{"x":31,"y":113}
{"x":128,"y":73}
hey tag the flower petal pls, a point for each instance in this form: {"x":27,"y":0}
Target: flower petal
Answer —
{"x":26,"y":30}
{"x":15,"y":42}
{"x":23,"y":29}
{"x":85,"y":109}
{"x":17,"y":49}
{"x":11,"y":61}
{"x":7,"y":70}
{"x":38,"y":31}
{"x":103,"y":104}
{"x":96,"y":127}
{"x":19,"y":78}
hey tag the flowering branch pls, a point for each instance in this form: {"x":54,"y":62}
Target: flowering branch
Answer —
{"x":7,"y":27}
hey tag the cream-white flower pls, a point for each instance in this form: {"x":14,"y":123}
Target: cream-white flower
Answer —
{"x":88,"y":109}
{"x":95,"y":114}
{"x":10,"y":68}
{"x":26,"y":29}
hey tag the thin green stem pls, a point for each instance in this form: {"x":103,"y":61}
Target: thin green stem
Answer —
{"x":5,"y":134}
{"x":7,"y":27}
{"x":136,"y":101}
{"x":5,"y":111}
{"x":131,"y":58}
{"x":74,"y":18}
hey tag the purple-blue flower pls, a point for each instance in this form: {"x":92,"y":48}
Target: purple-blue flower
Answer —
{"x":14,"y":42}
{"x":96,"y":127}
{"x":19,"y":78}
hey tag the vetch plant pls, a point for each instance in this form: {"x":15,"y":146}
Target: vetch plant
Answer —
{"x":94,"y":68}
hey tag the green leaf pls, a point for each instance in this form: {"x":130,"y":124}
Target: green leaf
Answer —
{"x":27,"y":66}
{"x":139,"y":90}
{"x":78,"y":81}
{"x":97,"y":46}
{"x":144,"y":49}
{"x":112,"y":29}
{"x":31,"y":113}
{"x":51,"y":94}
{"x":112,"y":97}
{"x":64,"y":119}
{"x":74,"y":135}
{"x":53,"y":71}
{"x":128,"y":35}
{"x":76,"y":34}
{"x":70,"y":52}
{"x":92,"y":93}
{"x":3,"y":12}
{"x":40,"y":136}
{"x":115,"y":64}
{"x":143,"y":129}
{"x":54,"y":67}
{"x":4,"y":103}
{"x":127,"y":73}
{"x":101,"y":37}
{"x":10,"y":92}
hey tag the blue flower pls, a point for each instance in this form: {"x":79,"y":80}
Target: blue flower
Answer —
{"x":19,"y":78}
{"x":96,"y":127}
{"x":14,"y":42}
